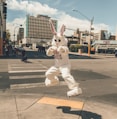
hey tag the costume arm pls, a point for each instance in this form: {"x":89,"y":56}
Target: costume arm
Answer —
{"x":51,"y":51}
{"x":63,"y":49}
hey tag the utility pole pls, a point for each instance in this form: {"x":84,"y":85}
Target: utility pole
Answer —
{"x":20,"y":25}
{"x":91,"y":23}
{"x":1,"y":40}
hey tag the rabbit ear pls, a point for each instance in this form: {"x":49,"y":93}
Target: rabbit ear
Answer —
{"x":52,"y":27}
{"x":62,"y":29}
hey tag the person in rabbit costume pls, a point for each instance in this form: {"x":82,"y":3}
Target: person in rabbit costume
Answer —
{"x":62,"y":66}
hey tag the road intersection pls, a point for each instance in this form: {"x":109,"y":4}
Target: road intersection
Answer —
{"x":97,"y":77}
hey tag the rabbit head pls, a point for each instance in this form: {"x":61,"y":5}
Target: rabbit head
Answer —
{"x":58,"y":38}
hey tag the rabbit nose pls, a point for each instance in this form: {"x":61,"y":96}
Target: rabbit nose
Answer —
{"x":57,"y":44}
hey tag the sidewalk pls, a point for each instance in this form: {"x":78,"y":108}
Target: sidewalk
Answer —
{"x":40,"y":106}
{"x":93,"y":56}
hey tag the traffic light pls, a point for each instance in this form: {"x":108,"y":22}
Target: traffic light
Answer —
{"x":5,"y":16}
{"x":4,"y":35}
{"x":4,"y":7}
{"x":4,"y":10}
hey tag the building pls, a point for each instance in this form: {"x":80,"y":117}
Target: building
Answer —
{"x":102,"y":46}
{"x":20,"y":35}
{"x":3,"y":14}
{"x":39,"y":28}
{"x":83,"y":36}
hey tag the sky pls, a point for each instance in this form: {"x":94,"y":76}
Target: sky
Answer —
{"x":103,"y":12}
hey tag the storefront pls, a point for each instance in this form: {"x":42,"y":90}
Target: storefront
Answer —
{"x":102,"y":46}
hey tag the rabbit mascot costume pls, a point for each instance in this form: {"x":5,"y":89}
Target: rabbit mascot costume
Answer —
{"x":60,"y":52}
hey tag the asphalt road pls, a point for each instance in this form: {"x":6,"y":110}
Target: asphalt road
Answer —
{"x":97,"y":77}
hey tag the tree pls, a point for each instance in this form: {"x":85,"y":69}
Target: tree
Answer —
{"x":8,"y":35}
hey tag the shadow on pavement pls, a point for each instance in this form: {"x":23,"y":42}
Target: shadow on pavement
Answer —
{"x":4,"y":80}
{"x":26,"y":61}
{"x":88,"y":75}
{"x":108,"y":98}
{"x":83,"y":114}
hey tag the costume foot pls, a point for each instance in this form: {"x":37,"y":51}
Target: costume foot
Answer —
{"x":51,"y":82}
{"x":74,"y":92}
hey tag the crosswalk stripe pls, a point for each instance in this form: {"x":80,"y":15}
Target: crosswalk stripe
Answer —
{"x":43,"y":66}
{"x":27,"y":71}
{"x":33,"y":85}
{"x":37,"y":65}
{"x":26,"y":77}
{"x":23,"y":75}
{"x":26,"y":67}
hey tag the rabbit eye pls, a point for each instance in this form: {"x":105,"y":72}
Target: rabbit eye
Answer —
{"x":59,"y":40}
{"x":55,"y":40}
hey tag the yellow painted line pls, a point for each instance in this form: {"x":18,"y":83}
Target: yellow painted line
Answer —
{"x":61,"y":102}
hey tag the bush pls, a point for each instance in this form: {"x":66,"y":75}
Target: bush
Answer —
{"x":75,"y":47}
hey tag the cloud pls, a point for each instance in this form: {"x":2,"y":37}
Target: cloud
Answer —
{"x":102,"y":26}
{"x":36,"y":8}
{"x":15,"y":5}
{"x":15,"y":23}
{"x":73,"y":23}
{"x":31,"y":7}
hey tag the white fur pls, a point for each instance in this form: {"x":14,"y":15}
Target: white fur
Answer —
{"x":62,"y":66}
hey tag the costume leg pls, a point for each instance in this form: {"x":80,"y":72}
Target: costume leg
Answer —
{"x":72,"y":84}
{"x":51,"y":76}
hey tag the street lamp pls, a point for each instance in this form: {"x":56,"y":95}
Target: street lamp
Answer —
{"x":14,"y":32}
{"x":91,"y":23}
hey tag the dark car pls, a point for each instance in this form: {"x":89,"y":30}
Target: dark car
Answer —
{"x":115,"y":52}
{"x":24,"y":57}
{"x":19,"y":50}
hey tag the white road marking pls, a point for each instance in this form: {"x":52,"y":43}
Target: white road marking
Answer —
{"x":27,"y":67}
{"x":26,"y":77}
{"x":33,"y":85}
{"x":44,"y":66}
{"x":27,"y":71}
